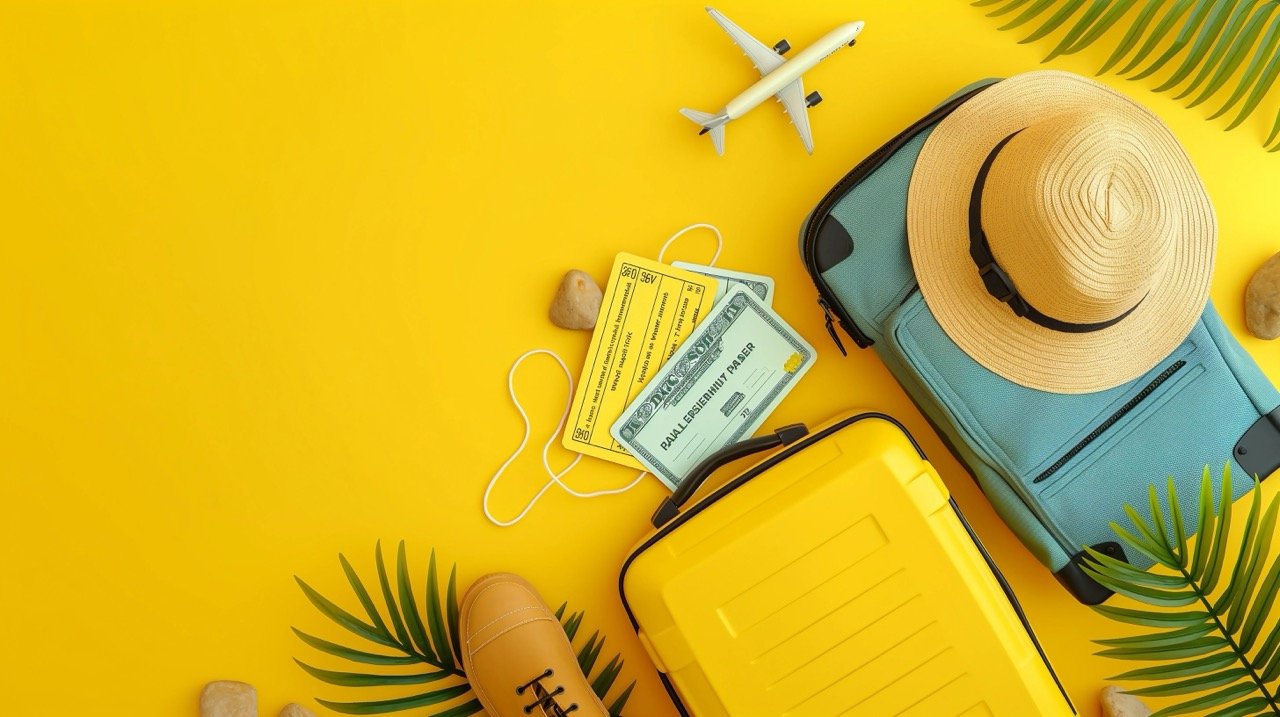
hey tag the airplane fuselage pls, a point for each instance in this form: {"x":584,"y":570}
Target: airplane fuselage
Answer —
{"x":791,"y":70}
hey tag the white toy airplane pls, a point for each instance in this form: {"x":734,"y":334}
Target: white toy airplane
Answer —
{"x":778,"y":77}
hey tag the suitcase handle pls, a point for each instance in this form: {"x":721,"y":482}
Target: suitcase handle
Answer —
{"x":670,"y":506}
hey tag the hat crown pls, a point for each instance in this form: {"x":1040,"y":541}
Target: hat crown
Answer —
{"x":1073,"y":212}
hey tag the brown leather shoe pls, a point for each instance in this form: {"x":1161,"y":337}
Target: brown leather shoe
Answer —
{"x":516,"y":655}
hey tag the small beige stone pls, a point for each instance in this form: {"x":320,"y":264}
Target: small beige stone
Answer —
{"x":226,"y":698}
{"x":296,"y":710}
{"x":1118,"y":703}
{"x":1262,"y":300}
{"x":577,"y":301}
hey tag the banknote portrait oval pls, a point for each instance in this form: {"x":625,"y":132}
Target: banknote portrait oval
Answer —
{"x":644,"y":413}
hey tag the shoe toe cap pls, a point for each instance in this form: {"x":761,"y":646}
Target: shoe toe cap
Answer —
{"x":499,"y":603}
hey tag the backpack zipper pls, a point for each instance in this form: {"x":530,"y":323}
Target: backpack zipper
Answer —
{"x":831,"y":329}
{"x":1129,"y":405}
{"x":826,"y":298}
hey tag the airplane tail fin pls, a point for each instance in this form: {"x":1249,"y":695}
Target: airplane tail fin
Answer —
{"x":713,"y":124}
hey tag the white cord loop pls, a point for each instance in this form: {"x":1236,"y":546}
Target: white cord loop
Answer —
{"x":719,"y":241}
{"x":546,"y":463}
{"x":568,"y":402}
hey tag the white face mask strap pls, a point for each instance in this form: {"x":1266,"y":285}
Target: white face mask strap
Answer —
{"x":546,"y":463}
{"x":719,"y":241}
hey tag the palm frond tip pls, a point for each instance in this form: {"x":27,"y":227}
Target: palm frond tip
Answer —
{"x":1211,"y":639}
{"x":1213,"y":46}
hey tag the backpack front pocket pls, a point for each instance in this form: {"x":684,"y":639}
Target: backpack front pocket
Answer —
{"x":1150,"y":391}
{"x":1076,"y":459}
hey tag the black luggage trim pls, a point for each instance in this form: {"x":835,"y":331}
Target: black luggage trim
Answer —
{"x":826,"y":298}
{"x":1077,"y":581}
{"x":832,"y":246}
{"x":774,"y":460}
{"x":670,"y":507}
{"x":1129,"y":405}
{"x":1258,"y":450}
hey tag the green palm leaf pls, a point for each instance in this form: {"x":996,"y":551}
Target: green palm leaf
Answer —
{"x":1255,"y":69}
{"x":1028,"y":14}
{"x":1218,"y":549}
{"x":1086,"y":23}
{"x":1263,"y":86}
{"x":409,"y":605}
{"x":1189,"y":28}
{"x":1179,"y":526}
{"x":1132,"y":35}
{"x":1236,"y":583}
{"x":435,"y":616}
{"x":360,"y":679}
{"x":1262,"y":608}
{"x":1272,"y":670}
{"x":1255,"y":555}
{"x":1200,"y":704}
{"x":344,"y":618}
{"x":362,"y":595}
{"x":1008,"y":8}
{"x":1207,"y":619}
{"x":346,"y":653}
{"x":1222,"y":41}
{"x":1275,"y":132}
{"x":1240,"y":50}
{"x":1198,"y":684}
{"x":1198,"y":666}
{"x":1091,"y":32}
{"x":615,"y":708}
{"x":377,"y":707}
{"x":1140,"y":593}
{"x":1240,"y":709}
{"x":424,"y":634}
{"x":402,"y":635}
{"x":1119,"y":569}
{"x":452,"y":611}
{"x":1152,"y":618}
{"x":1161,"y":30}
{"x":1065,"y":11}
{"x":1162,"y":639}
{"x":1210,"y":40}
{"x":590,"y":652}
{"x":604,"y":681}
{"x":1177,"y":651}
{"x":1204,"y":538}
{"x":572,"y":624}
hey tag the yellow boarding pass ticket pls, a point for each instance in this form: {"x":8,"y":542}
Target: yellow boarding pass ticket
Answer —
{"x":647,"y":310}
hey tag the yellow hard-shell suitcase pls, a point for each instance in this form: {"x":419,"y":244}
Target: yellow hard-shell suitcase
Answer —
{"x":836,"y":577}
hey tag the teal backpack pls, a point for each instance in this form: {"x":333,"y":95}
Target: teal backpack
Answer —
{"x":1058,"y":468}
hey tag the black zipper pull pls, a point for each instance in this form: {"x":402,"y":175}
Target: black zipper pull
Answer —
{"x":831,"y":327}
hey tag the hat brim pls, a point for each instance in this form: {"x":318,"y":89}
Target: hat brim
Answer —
{"x":988,"y":330}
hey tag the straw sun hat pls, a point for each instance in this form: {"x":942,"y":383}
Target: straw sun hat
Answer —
{"x":1059,"y":233}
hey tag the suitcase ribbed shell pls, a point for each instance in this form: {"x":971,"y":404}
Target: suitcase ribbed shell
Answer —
{"x":839,"y":580}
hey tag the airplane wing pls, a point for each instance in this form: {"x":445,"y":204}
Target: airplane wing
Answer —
{"x":792,"y":99}
{"x":762,"y":56}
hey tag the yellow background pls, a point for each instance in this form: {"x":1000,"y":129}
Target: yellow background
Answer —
{"x":264,"y":266}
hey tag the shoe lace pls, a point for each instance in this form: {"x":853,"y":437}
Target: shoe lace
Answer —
{"x":544,"y":699}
